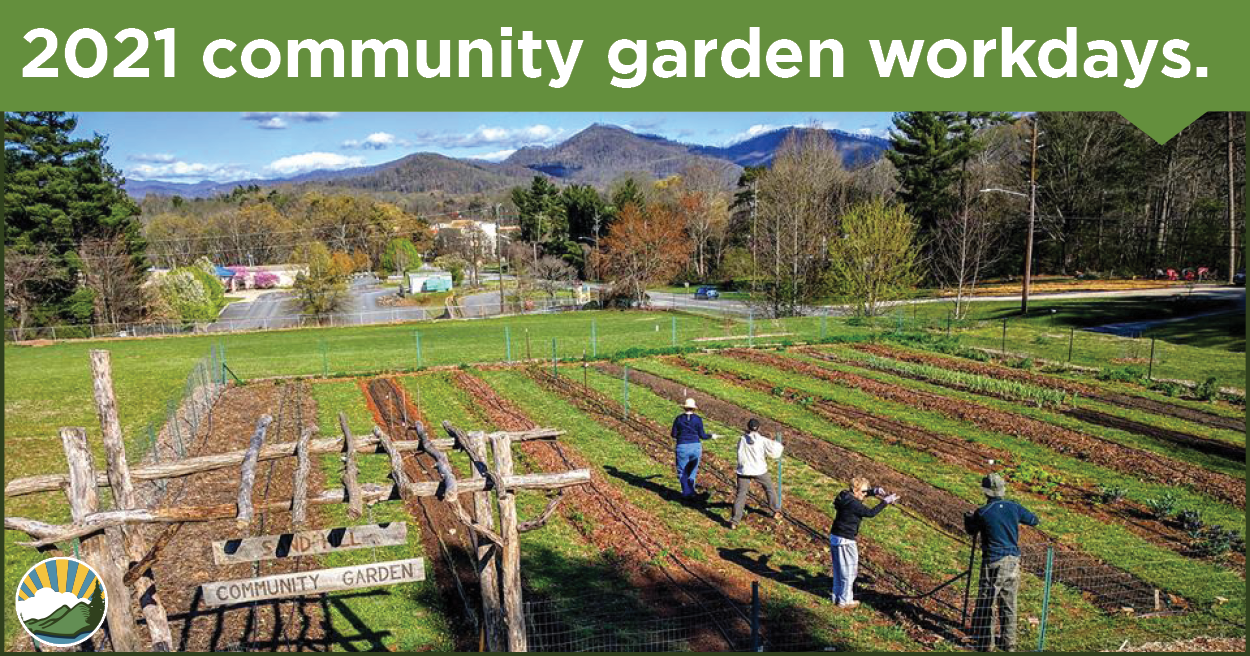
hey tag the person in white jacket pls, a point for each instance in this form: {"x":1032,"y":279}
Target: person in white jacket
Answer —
{"x":753,"y":451}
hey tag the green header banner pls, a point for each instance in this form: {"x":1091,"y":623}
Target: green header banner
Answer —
{"x":1160,"y":64}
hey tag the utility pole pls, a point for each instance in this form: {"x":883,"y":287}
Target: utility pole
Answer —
{"x":1028,"y":244}
{"x":1232,"y":214}
{"x":499,"y":257}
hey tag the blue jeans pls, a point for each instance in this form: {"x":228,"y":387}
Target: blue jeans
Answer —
{"x":688,"y":466}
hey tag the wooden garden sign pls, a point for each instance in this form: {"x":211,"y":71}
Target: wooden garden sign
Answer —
{"x":308,"y":543}
{"x":296,"y":584}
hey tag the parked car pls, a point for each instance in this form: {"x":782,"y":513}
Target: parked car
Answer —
{"x":1239,"y":279}
{"x":706,"y":293}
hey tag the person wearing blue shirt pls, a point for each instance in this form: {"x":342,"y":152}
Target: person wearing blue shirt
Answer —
{"x":998,"y":524}
{"x":689,"y":434}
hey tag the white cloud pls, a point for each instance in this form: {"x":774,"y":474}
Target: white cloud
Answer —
{"x":313,"y":161}
{"x":280,"y":120}
{"x":497,"y":156}
{"x":153,"y":158}
{"x":762,"y":128}
{"x":44,"y":602}
{"x":492,"y":136}
{"x":188,"y":171}
{"x":376,"y":141}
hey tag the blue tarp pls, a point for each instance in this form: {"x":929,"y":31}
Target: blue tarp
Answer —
{"x":223,"y":272}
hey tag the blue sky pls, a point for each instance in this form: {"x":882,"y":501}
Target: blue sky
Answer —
{"x":192,"y":147}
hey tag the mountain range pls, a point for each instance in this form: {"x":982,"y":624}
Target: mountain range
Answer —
{"x":597,"y":155}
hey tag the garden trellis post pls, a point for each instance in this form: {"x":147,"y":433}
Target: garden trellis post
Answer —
{"x":507,"y":341}
{"x":594,"y":339}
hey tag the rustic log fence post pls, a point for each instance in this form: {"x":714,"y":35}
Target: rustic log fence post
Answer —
{"x":102,"y":551}
{"x":351,"y":471}
{"x":124,"y":498}
{"x":486,"y":552}
{"x":510,"y":560}
{"x":247,"y":472}
{"x":299,"y":495}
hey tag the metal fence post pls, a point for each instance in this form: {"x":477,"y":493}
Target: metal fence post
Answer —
{"x":325,"y":360}
{"x":751,"y":329}
{"x":416,"y":335}
{"x":554,"y":371}
{"x":1004,"y":337}
{"x":1150,"y":369}
{"x":625,"y":391}
{"x":1050,"y":570}
{"x":756,"y":643}
{"x":824,"y":318}
{"x":1071,"y":339}
{"x":674,"y":318}
{"x":594,"y":339}
{"x":507,"y":340}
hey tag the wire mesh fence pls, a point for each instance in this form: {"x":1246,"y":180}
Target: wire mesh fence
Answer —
{"x":187,"y":413}
{"x":1046,"y":599}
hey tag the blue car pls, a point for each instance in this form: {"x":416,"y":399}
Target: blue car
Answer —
{"x":706,"y":293}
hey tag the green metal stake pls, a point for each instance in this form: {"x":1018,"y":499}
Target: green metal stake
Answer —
{"x":554,"y":371}
{"x":1050,"y":568}
{"x":824,"y":318}
{"x":751,"y":329}
{"x":778,"y":438}
{"x":594,"y":339}
{"x":1071,"y":338}
{"x":416,"y":334}
{"x":1004,"y":338}
{"x":674,"y":332}
{"x":1150,"y":369}
{"x":224,"y":367}
{"x":625,"y":390}
{"x":325,"y":360}
{"x":507,"y":340}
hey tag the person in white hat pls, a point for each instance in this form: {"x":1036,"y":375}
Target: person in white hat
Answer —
{"x":689,"y":434}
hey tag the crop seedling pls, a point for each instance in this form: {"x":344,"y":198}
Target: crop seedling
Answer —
{"x":1038,"y":480}
{"x":1162,"y":506}
{"x":1209,"y":390}
{"x":1215,"y":541}
{"x":1110,"y":495}
{"x":1190,"y":521}
{"x":977,"y":383}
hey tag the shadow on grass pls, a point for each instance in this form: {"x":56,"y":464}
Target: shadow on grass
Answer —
{"x":668,"y":493}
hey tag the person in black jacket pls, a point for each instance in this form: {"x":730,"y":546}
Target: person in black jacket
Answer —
{"x":998,"y":523}
{"x":842,"y":536}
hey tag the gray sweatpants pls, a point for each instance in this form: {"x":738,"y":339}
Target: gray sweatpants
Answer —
{"x":994,"y":622}
{"x":845,"y":568}
{"x":744,"y":488}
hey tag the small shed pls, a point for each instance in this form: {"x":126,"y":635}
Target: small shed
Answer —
{"x":428,"y":281}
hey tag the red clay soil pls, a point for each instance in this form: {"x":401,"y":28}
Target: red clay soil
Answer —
{"x":1152,"y":406}
{"x":646,"y":553}
{"x":1084,"y":446}
{"x":974,"y":456}
{"x":1198,"y":443}
{"x":892,"y":582}
{"x":186,"y":563}
{"x":444,"y":541}
{"x":1104,"y":585}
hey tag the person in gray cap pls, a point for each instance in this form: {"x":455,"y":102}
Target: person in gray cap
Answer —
{"x":998,"y":523}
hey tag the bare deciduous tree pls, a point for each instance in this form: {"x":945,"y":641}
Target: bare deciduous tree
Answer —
{"x":22,"y":270}
{"x":109,"y":272}
{"x":553,"y":274}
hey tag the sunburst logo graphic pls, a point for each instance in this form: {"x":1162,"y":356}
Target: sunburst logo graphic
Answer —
{"x":61,"y":601}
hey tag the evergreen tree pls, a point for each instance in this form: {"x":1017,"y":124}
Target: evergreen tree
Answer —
{"x":61,"y":192}
{"x":542,"y":212}
{"x":626,"y":193}
{"x":587,"y":214}
{"x":927,"y":150}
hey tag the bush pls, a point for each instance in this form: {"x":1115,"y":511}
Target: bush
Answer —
{"x":1209,"y":390}
{"x":1163,"y":506}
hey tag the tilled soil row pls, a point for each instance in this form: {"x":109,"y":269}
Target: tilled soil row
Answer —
{"x":1106,"y":586}
{"x":444,"y":540}
{"x":1087,"y":447}
{"x":647,"y":554}
{"x":296,"y":624}
{"x":1089,"y":391}
{"x":1196,"y":442}
{"x":896,"y":584}
{"x":975,"y":456}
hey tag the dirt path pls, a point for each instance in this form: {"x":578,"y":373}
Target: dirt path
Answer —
{"x":1105,"y":585}
{"x":285,"y":625}
{"x":1087,"y":447}
{"x":1189,"y":440}
{"x":648,"y":554}
{"x":974,"y":456}
{"x":891,"y":582}
{"x":444,"y":540}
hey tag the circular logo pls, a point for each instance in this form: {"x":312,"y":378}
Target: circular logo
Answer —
{"x":61,"y":601}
